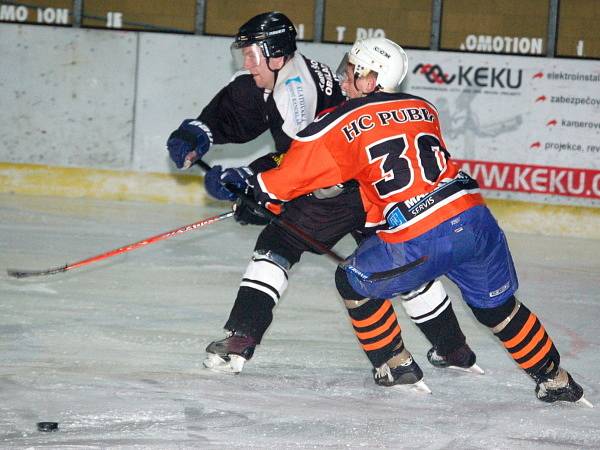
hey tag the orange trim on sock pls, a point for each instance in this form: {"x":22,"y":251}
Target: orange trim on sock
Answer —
{"x":379,"y":330}
{"x":382,"y":343}
{"x":373,"y":317}
{"x":521,"y":335}
{"x":537,"y":358}
{"x":536,"y":339}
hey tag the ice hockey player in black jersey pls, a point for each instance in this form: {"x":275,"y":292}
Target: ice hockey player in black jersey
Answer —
{"x":282,"y":91}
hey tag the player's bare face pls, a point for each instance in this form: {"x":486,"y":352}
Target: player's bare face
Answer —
{"x":348,"y":85}
{"x":354,"y":87}
{"x":257,"y":65}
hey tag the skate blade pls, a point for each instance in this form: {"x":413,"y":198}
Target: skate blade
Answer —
{"x":585,"y":402}
{"x":217,"y":364}
{"x":473,"y":369}
{"x":419,"y":387}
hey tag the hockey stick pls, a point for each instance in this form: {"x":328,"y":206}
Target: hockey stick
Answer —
{"x":159,"y":237}
{"x":318,"y":246}
{"x":287,"y":226}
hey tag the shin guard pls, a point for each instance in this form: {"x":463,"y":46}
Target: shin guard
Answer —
{"x":523,"y":336}
{"x":252,"y":313}
{"x":377,"y":329}
{"x":263,"y":284}
{"x":431,"y":310}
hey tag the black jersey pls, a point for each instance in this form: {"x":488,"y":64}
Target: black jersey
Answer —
{"x":242,"y":111}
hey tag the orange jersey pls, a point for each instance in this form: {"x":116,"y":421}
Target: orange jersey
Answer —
{"x":392,"y":145}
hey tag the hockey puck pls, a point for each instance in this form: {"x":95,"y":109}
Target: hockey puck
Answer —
{"x":47,"y":426}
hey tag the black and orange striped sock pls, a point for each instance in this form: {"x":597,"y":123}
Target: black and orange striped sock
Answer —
{"x":526,"y":340}
{"x":377,"y":329}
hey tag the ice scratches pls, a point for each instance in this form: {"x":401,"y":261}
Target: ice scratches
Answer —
{"x":199,"y":419}
{"x":261,"y":378}
{"x":107,"y":425}
{"x":30,"y":288}
{"x":9,"y":384}
{"x":15,"y":329}
{"x":151,"y":382}
{"x":108,"y":443}
{"x":309,"y":432}
{"x":549,"y":442}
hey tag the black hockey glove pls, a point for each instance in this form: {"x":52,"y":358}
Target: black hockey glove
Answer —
{"x":245,"y":215}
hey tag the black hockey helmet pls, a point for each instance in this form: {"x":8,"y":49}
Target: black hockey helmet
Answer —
{"x":273,"y":32}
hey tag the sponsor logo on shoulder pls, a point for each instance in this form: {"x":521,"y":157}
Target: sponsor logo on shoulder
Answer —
{"x":296,"y":79}
{"x":295,"y":89}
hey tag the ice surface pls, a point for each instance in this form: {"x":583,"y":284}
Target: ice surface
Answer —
{"x":112,"y":351}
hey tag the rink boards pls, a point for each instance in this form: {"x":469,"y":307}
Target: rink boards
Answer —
{"x":30,"y":179}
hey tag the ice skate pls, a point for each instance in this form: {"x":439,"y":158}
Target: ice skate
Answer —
{"x":407,"y":374}
{"x":561,"y":388}
{"x":463,"y":358}
{"x":230,"y":354}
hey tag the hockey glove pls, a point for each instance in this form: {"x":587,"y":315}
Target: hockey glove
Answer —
{"x":245,"y":215}
{"x":189,"y":142}
{"x":265,"y":199}
{"x":216,"y":179}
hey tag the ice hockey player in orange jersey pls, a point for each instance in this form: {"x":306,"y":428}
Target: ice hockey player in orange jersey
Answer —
{"x":430,"y":215}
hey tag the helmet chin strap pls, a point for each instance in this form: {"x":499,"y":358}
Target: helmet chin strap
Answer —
{"x":269,"y":66}
{"x":275,"y":72}
{"x":286,"y":58}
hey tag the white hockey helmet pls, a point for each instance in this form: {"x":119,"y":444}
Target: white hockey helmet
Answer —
{"x":383,"y":56}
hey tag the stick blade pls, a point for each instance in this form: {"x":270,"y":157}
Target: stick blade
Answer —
{"x":15,"y":273}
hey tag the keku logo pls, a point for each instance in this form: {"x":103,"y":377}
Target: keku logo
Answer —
{"x":483,"y":77}
{"x":533,"y":179}
{"x":434,"y":73}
